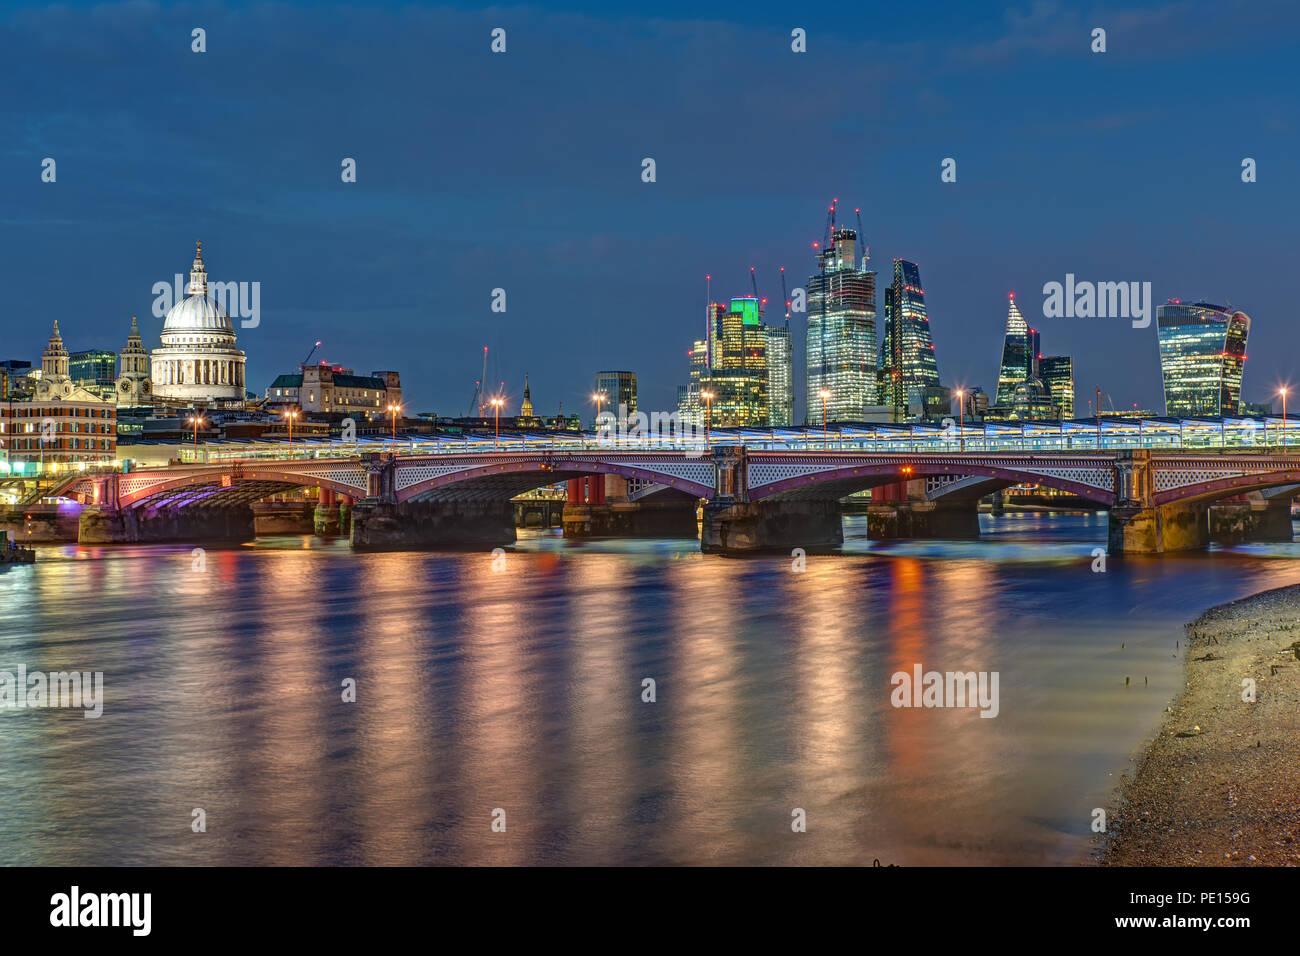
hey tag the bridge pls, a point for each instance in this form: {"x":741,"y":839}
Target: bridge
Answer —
{"x":753,"y":499}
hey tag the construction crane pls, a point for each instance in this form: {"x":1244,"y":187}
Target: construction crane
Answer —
{"x":786,"y":297}
{"x":830,"y":224}
{"x":311,"y":353}
{"x":753,"y":281}
{"x":866,"y":250}
{"x":477,"y":400}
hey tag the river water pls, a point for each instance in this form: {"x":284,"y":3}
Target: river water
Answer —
{"x":515,"y":684}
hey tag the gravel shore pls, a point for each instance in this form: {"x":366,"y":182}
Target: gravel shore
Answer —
{"x":1220,"y":784}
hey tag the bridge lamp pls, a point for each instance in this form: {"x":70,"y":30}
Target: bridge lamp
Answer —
{"x":496,"y":404}
{"x":196,"y":421}
{"x":825,"y":393}
{"x":961,"y":418}
{"x":290,"y":415}
{"x":708,"y":418}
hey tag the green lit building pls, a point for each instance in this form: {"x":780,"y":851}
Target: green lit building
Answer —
{"x":1202,"y":357}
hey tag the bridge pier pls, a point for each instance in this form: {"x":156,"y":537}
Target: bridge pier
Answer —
{"x":379,"y":525}
{"x":325,"y":516}
{"x":923,"y":519}
{"x":902,"y":510}
{"x":753,"y":527}
{"x":1254,"y":518}
{"x":1172,"y":527}
{"x":40,"y":523}
{"x":282,"y":517}
{"x":103,"y":524}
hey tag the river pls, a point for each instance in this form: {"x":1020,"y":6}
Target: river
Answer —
{"x":515,"y":683}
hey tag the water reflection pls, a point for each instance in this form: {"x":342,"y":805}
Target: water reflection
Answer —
{"x":481,"y":687}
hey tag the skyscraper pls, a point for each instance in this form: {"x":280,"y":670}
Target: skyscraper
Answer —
{"x":1018,"y":351}
{"x":841,"y":331}
{"x":909,"y":370}
{"x":780,"y":376}
{"x":619,"y":389}
{"x":1057,"y":373}
{"x":1202,"y":357}
{"x":738,"y":379}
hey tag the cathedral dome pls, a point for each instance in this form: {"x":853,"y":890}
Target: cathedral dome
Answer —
{"x":196,"y":312}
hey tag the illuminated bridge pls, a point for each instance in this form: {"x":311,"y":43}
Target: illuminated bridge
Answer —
{"x":754,"y":497}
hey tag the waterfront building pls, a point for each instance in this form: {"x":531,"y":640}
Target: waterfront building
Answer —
{"x":1202,"y":357}
{"x":62,"y":421}
{"x":841,"y":340}
{"x":198,"y":362}
{"x":618,"y":389}
{"x":690,"y":403}
{"x":334,"y":390}
{"x":134,"y":387}
{"x":909,"y":370}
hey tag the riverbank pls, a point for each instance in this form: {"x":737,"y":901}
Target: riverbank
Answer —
{"x":1220,"y":784}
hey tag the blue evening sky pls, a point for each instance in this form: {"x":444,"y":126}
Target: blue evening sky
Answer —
{"x":522,"y":171}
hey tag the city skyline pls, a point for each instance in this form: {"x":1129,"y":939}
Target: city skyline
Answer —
{"x":574,"y":230}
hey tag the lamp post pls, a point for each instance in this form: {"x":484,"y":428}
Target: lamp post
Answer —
{"x":708,"y":415}
{"x":196,"y":421}
{"x":291,"y":415}
{"x":825,"y":394}
{"x":1283,"y":391}
{"x":496,"y":415}
{"x":961,"y":419}
{"x":392,"y":411}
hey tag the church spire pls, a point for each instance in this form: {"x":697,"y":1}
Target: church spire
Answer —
{"x":198,"y":273}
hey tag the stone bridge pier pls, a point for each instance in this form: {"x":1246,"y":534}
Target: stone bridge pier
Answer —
{"x":1140,"y":525}
{"x":599,"y":506}
{"x":381,"y":523}
{"x":734,"y":525}
{"x":903,"y":510}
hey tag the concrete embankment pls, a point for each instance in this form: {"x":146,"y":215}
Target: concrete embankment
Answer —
{"x":1220,"y":784}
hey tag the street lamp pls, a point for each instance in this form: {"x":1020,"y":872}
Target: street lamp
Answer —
{"x":392,"y":411}
{"x":496,"y":404}
{"x":1283,"y":391}
{"x":961,"y":418}
{"x":825,"y":394}
{"x":290,"y":414}
{"x":196,"y":421}
{"x":708,"y":415}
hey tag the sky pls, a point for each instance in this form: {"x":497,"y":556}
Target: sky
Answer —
{"x":522,"y":171}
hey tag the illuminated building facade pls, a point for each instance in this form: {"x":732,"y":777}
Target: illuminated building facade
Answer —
{"x":1057,"y":373}
{"x":1202,"y":357}
{"x":1019,"y":346}
{"x":619,"y":389}
{"x":909,"y":370}
{"x":841,"y":342}
{"x":780,"y":376}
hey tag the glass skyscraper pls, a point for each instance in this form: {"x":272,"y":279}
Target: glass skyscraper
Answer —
{"x":1057,"y":374}
{"x":909,"y":369}
{"x":841,"y":332}
{"x":780,"y":376}
{"x":1019,"y":347}
{"x":1202,"y":357}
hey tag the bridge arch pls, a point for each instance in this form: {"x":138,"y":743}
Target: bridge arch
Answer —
{"x":505,"y":479}
{"x":1208,"y":491}
{"x":839,"y":482}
